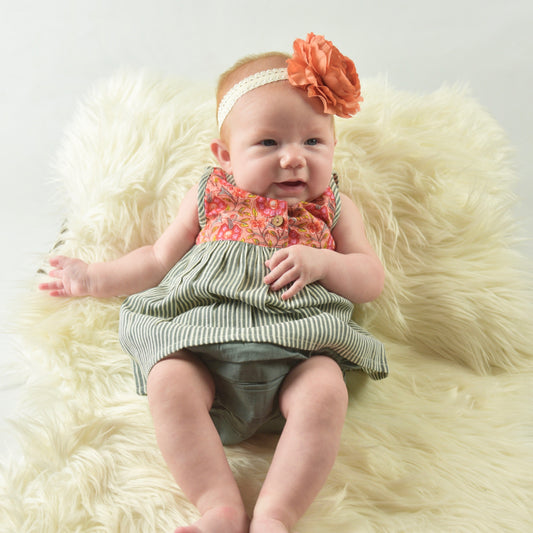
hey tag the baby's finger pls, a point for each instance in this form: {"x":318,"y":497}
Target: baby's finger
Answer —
{"x":56,"y":273}
{"x":294,"y":289}
{"x":276,"y":273}
{"x":57,"y":260}
{"x":277,"y":258}
{"x":284,"y":279}
{"x":55,"y":288}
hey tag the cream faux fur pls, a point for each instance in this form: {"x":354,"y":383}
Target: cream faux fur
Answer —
{"x":444,"y":444}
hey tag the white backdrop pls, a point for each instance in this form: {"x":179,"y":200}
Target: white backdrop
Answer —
{"x":53,"y":51}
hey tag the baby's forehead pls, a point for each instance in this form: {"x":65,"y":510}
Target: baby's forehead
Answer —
{"x":277,"y":106}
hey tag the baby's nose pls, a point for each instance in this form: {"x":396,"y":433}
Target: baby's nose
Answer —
{"x":292,"y":157}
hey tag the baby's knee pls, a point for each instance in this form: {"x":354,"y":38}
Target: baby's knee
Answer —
{"x":317,"y":384}
{"x":178,"y":379}
{"x":331,"y":388}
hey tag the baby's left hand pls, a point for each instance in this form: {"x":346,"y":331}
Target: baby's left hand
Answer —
{"x":299,"y":265}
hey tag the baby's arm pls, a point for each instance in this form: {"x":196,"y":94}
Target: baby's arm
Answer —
{"x":139,"y":270}
{"x":353,"y":270}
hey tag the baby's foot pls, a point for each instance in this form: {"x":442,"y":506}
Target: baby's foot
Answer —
{"x":267,"y":525}
{"x":219,"y":520}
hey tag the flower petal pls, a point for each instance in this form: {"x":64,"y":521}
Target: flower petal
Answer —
{"x":319,"y":68}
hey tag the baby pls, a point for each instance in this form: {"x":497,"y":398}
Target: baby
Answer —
{"x":238,"y":318}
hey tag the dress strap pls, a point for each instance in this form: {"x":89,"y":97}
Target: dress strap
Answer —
{"x":334,"y":186}
{"x":201,"y":195}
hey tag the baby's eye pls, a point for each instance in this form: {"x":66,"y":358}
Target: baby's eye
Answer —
{"x":268,"y":142}
{"x":312,"y":142}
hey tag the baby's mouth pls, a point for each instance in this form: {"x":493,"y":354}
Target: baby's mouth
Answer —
{"x":292,"y":184}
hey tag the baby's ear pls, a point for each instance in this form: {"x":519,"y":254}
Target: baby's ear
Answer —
{"x":221,"y":152}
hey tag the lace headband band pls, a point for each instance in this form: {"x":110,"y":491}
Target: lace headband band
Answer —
{"x":246,"y":85}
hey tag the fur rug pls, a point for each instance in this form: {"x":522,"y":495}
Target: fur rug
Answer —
{"x":444,"y":444}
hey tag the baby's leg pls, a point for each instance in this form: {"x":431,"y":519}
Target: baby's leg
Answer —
{"x":180,"y":394}
{"x":314,"y":400}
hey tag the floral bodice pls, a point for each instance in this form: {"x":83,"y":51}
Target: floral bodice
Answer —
{"x":230,"y":213}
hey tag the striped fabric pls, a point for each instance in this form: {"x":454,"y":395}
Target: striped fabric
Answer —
{"x":216,"y":294}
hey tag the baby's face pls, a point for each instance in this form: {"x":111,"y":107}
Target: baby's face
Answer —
{"x":280,"y":145}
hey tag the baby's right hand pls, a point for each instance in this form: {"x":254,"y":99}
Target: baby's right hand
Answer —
{"x":72,"y":278}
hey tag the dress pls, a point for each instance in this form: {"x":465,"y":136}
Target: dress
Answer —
{"x":215,"y":294}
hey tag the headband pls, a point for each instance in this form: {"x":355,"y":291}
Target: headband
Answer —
{"x":318,"y":68}
{"x":246,"y":85}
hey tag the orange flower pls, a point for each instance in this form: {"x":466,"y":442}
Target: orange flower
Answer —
{"x":318,"y":67}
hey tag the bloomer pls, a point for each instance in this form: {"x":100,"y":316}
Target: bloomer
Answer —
{"x":247,"y":379}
